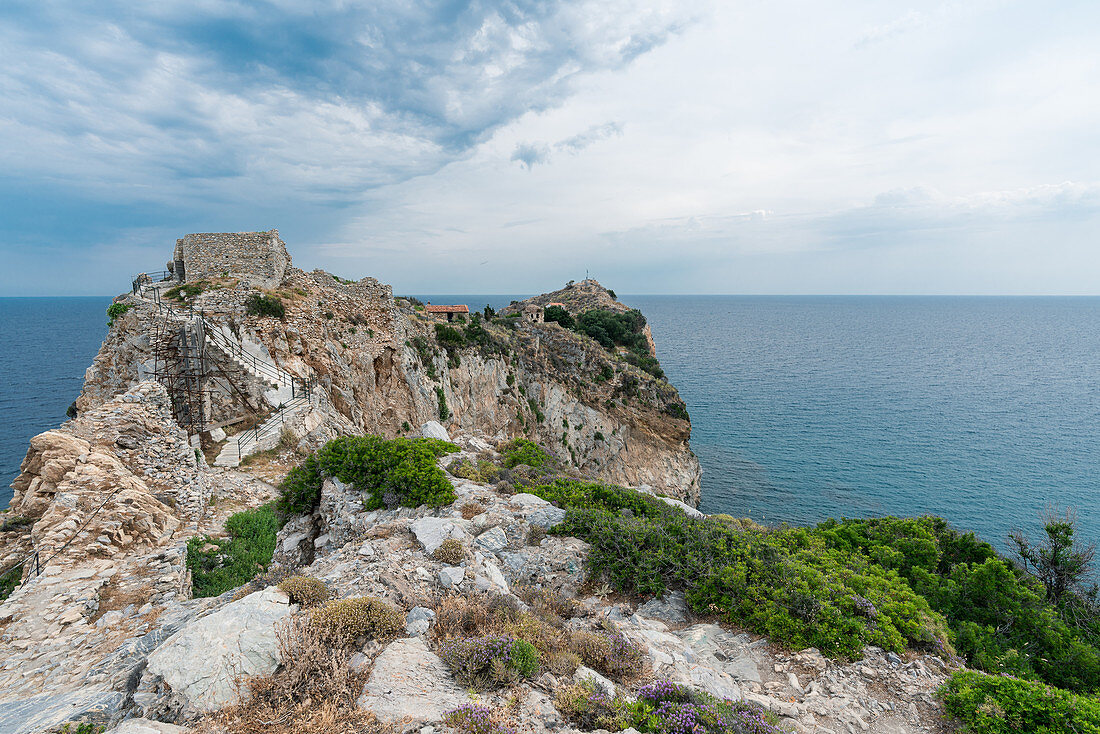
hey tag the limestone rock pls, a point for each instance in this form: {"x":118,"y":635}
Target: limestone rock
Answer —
{"x":433,"y":429}
{"x":670,"y":608}
{"x":584,"y":673}
{"x":432,"y":531}
{"x":408,"y":680}
{"x":202,"y":661}
{"x":49,"y":711}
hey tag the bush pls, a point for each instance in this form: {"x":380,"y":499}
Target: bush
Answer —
{"x":670,"y":708}
{"x":115,"y":311}
{"x":1002,"y":705}
{"x":358,"y":617}
{"x":472,"y":718}
{"x":484,"y":663}
{"x":558,"y":315}
{"x":590,"y":708}
{"x":10,"y":581}
{"x":522,"y":451}
{"x":444,"y":411}
{"x":610,"y":653}
{"x":237,"y":560}
{"x":403,"y":468}
{"x":483,"y":473}
{"x":450,"y":551}
{"x":305,"y":590}
{"x":259,"y":304}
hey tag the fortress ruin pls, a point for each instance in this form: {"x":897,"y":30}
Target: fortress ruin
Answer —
{"x":259,"y":258}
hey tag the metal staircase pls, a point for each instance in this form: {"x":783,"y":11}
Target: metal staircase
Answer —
{"x":184,"y":361}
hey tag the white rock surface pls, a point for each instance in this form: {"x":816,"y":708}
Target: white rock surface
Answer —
{"x":202,"y":661}
{"x":432,"y":531}
{"x":433,"y":429}
{"x":523,"y":499}
{"x":408,"y":680}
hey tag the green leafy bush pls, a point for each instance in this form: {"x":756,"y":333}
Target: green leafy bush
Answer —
{"x":116,"y":310}
{"x":484,"y":663}
{"x":483,"y":472}
{"x":259,"y":304}
{"x":10,"y":581}
{"x":1002,"y":705}
{"x":235,"y":560}
{"x":403,"y":469}
{"x":187,"y":291}
{"x":444,"y":411}
{"x":522,"y":451}
{"x":358,"y":617}
{"x":305,"y":590}
{"x":558,"y":315}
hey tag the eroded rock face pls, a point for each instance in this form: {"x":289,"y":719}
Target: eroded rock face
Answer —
{"x":115,"y":480}
{"x":202,"y":662}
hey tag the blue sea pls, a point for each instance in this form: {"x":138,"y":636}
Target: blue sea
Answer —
{"x":982,"y":410}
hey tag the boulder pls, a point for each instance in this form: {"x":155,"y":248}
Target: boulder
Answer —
{"x":688,"y":509}
{"x":410,"y":681}
{"x":524,"y":499}
{"x":433,"y":429}
{"x":492,"y":540}
{"x":670,"y":608}
{"x":450,"y":576}
{"x":602,"y":684}
{"x":202,"y":662}
{"x":547,"y":517}
{"x":418,"y":621}
{"x":432,"y":531}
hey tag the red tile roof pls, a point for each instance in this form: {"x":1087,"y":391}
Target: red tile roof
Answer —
{"x":447,"y":309}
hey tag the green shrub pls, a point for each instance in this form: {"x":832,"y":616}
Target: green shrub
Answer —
{"x":359,"y":617}
{"x":558,"y":315}
{"x":609,"y":652}
{"x":444,"y":411}
{"x":10,"y":581}
{"x":259,"y":304}
{"x":450,"y":551}
{"x":483,"y":472}
{"x":236,"y":560}
{"x":115,"y":311}
{"x":15,"y":522}
{"x":589,"y":708}
{"x":305,"y":590}
{"x":402,"y":469}
{"x":484,"y":663}
{"x":1002,"y":705}
{"x":522,"y":451}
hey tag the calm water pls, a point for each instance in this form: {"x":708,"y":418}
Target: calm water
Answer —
{"x":983,"y":410}
{"x":45,"y":346}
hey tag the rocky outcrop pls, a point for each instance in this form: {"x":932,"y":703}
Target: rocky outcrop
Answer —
{"x":201,"y":664}
{"x":410,"y":684}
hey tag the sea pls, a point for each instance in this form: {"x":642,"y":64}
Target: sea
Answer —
{"x":983,"y":410}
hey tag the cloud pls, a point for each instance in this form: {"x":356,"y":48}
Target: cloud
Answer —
{"x":531,"y":153}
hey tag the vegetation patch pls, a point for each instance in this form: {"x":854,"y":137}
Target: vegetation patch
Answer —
{"x":994,"y":704}
{"x":10,"y":581}
{"x":450,"y":551}
{"x":485,"y":663}
{"x":305,"y":590}
{"x":187,"y":291}
{"x":233,"y":561}
{"x":259,"y":304}
{"x":357,"y":617}
{"x":401,"y":471}
{"x":523,"y":451}
{"x":115,"y":311}
{"x":444,"y":411}
{"x":483,"y":472}
{"x":472,"y":718}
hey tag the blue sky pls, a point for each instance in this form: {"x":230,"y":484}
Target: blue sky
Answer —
{"x":506,"y":147}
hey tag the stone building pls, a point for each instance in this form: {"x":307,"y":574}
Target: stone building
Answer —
{"x":461,"y":311}
{"x":259,"y":258}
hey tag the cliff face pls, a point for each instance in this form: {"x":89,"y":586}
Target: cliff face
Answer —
{"x":386,"y":369}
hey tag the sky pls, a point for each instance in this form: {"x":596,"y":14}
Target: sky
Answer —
{"x":745,"y":146}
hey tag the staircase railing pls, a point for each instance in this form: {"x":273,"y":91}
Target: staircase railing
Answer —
{"x":276,"y":422}
{"x":300,"y":387}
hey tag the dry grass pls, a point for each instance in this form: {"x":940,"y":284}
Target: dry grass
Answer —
{"x":471,"y":510}
{"x":314,"y":692}
{"x":112,"y":597}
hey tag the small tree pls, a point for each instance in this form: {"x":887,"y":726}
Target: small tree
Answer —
{"x":1058,"y":561}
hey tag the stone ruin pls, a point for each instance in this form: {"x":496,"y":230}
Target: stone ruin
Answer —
{"x":259,"y":258}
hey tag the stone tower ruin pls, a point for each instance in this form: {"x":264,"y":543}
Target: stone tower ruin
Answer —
{"x":258,"y":258}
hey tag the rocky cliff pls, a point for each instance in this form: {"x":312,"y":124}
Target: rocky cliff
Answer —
{"x":384,"y":365}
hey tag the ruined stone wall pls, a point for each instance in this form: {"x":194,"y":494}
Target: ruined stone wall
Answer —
{"x":259,"y":258}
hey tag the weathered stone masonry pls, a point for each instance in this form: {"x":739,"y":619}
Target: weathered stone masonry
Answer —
{"x":259,"y":258}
